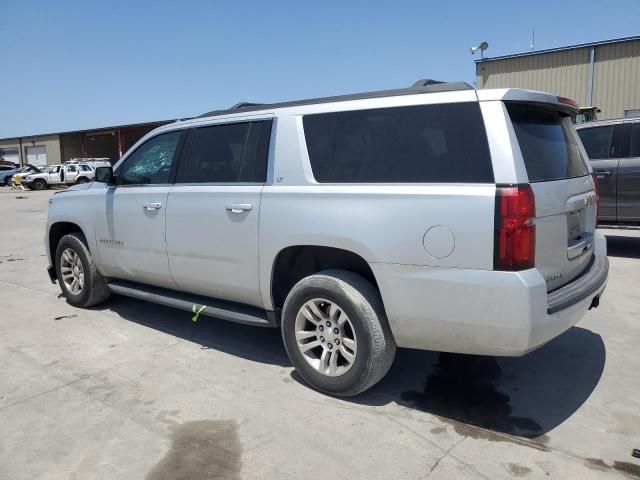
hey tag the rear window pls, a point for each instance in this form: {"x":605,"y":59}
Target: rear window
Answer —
{"x":548,"y":146}
{"x":416,"y":144}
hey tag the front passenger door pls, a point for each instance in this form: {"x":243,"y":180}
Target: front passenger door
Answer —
{"x":629,"y":180}
{"x":601,"y":146}
{"x":71,"y":173}
{"x":54,"y":175}
{"x":130,"y":229}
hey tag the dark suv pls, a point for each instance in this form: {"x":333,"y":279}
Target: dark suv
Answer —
{"x":613,"y":147}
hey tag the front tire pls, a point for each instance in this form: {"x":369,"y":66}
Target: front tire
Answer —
{"x":336,"y":333}
{"x":80,"y":282}
{"x":39,"y":184}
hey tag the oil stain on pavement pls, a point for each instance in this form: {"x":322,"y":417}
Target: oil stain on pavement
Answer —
{"x":204,"y":449}
{"x":628,"y":468}
{"x":463,"y":388}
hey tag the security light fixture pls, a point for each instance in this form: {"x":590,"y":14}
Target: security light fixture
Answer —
{"x":482,"y":47}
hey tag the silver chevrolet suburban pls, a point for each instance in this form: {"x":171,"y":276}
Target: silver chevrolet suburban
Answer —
{"x":433,"y":217}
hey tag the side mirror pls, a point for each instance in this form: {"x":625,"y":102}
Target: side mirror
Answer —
{"x":105,"y":175}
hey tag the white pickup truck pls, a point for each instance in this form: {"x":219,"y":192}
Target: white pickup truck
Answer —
{"x":65,"y":174}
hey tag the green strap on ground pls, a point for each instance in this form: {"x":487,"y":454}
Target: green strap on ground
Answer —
{"x":197,"y":311}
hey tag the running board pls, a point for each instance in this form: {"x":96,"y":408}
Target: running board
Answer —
{"x":232,"y":312}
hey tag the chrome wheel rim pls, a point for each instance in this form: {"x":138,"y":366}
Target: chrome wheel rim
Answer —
{"x":326,"y":338}
{"x":72,"y":271}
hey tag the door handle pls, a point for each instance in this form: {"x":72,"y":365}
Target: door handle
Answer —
{"x":602,"y":173}
{"x":150,"y":206}
{"x":239,"y":207}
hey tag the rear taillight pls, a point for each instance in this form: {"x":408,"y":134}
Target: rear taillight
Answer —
{"x":515,"y":231}
{"x":596,"y":187}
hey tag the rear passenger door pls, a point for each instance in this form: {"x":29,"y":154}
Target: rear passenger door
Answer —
{"x":213,"y":211}
{"x":629,"y":177}
{"x":603,"y":148}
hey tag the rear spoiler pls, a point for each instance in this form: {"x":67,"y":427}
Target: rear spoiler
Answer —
{"x":563,"y":104}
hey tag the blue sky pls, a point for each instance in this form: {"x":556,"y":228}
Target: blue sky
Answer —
{"x":82,"y":64}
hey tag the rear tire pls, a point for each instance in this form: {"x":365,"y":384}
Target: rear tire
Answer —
{"x":80,"y":282}
{"x":7,"y":182}
{"x":336,"y":333}
{"x":83,"y":180}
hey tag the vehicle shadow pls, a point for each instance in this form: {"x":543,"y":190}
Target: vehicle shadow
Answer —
{"x":525,"y":396}
{"x":623,"y":246}
{"x":257,"y":344}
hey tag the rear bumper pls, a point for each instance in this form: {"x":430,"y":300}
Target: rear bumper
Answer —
{"x":585,"y":286}
{"x":484,"y":312}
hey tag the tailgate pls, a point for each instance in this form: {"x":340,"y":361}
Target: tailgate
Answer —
{"x":565,"y":198}
{"x":565,"y":225}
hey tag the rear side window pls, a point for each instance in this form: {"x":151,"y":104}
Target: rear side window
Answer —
{"x":417,"y":144}
{"x":547,"y":143}
{"x":228,"y":153}
{"x":597,"y":141}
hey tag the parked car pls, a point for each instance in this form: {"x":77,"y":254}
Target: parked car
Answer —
{"x":66,"y":174}
{"x":613,"y":147}
{"x":7,"y":169}
{"x":93,"y":161}
{"x":435,"y":217}
{"x":7,"y":175}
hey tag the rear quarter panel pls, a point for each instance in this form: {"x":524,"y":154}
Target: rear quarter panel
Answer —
{"x":383,"y":223}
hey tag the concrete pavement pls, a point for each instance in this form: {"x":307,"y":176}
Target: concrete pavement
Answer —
{"x":133,"y":390}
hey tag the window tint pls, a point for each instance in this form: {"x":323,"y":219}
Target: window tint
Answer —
{"x":621,"y":140}
{"x":71,"y":168}
{"x":547,"y":143}
{"x":417,"y":144}
{"x":227,"y":153}
{"x":253,"y":167}
{"x":635,"y":140}
{"x":597,"y":141}
{"x":85,"y":168}
{"x":151,"y":162}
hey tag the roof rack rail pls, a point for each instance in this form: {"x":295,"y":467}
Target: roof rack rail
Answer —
{"x":424,"y":85}
{"x":244,"y":105}
{"x":425,"y":82}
